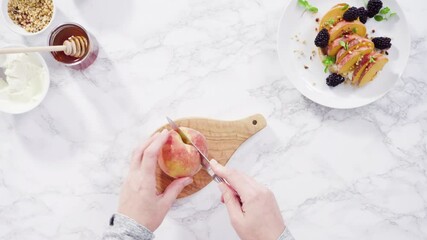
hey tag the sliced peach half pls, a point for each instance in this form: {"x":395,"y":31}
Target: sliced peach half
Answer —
{"x":335,"y":46}
{"x":372,"y":70}
{"x":353,"y":45}
{"x":347,"y":63}
{"x":333,"y":16}
{"x":355,"y":27}
{"x":361,"y":66}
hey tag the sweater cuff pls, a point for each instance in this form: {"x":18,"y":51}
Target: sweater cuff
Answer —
{"x":286,"y":235}
{"x":123,"y":227}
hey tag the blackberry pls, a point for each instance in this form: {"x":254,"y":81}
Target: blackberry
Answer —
{"x":351,"y":14}
{"x":363,"y":14}
{"x":374,"y":7}
{"x":382,"y":42}
{"x":334,"y":80}
{"x":322,"y":38}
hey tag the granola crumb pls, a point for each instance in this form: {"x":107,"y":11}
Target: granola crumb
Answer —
{"x":31,"y":15}
{"x":317,"y":19}
{"x":305,"y":66}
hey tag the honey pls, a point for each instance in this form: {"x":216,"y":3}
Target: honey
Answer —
{"x":64,"y":32}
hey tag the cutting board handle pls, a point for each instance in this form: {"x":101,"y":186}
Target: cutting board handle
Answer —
{"x":252,"y":124}
{"x":223,"y":138}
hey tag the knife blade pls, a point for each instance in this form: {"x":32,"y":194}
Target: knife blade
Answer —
{"x":205,"y":160}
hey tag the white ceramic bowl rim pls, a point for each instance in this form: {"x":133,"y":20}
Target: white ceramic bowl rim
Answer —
{"x":43,"y":94}
{"x":18,"y":29}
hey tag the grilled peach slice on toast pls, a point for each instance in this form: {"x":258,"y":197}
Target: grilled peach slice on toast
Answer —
{"x":361,"y":66}
{"x":333,"y":16}
{"x":372,"y":70}
{"x":335,"y":46}
{"x":355,"y":27}
{"x":347,"y":63}
{"x":354,"y":45}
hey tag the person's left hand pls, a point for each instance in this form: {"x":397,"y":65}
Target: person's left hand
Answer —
{"x":139,"y":199}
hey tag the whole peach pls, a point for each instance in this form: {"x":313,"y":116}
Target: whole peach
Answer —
{"x":180,"y":159}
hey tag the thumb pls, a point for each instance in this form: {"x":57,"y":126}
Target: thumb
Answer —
{"x":231,"y":201}
{"x":175,"y":188}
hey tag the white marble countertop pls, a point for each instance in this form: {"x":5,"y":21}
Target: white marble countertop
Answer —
{"x":337,"y":174}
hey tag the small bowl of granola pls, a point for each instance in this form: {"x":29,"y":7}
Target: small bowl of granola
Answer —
{"x":28,"y":17}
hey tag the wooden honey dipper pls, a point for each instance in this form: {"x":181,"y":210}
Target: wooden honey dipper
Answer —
{"x":75,"y":46}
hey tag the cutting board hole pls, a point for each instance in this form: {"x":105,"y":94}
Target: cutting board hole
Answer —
{"x":254,"y":122}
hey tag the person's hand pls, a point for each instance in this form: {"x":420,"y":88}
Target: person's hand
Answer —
{"x":258,"y":215}
{"x":139,"y":199}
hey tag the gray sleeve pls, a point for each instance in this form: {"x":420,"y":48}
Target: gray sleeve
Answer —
{"x":125,"y":228}
{"x":286,"y":235}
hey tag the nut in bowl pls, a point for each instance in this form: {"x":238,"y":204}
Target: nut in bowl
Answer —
{"x":28,"y":17}
{"x":24,"y":81}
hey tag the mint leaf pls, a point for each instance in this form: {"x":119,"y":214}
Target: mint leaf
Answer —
{"x":379,"y":18}
{"x":313,"y":9}
{"x":328,"y":61}
{"x":384,"y":14}
{"x":385,"y":10}
{"x":345,"y":7}
{"x":344,"y":45}
{"x":371,"y":59}
{"x":354,"y":30}
{"x":303,"y":3}
{"x":326,"y":69}
{"x":307,"y":6}
{"x":330,"y":22}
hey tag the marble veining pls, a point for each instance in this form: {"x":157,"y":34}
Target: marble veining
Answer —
{"x":337,"y":174}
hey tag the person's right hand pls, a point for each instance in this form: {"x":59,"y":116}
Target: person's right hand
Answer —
{"x":258,"y":215}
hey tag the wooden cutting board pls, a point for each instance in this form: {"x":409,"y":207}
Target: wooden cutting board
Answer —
{"x":223,"y":138}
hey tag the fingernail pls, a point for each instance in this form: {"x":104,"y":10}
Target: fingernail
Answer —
{"x":164,"y":130}
{"x":188,"y":181}
{"x":213,"y":161}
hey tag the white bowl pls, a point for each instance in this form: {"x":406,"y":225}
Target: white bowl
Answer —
{"x":18,"y":29}
{"x":17,"y":108}
{"x":310,"y":81}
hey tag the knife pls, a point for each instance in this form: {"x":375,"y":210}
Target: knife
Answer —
{"x":205,"y":161}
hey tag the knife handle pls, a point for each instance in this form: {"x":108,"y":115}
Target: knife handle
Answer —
{"x":218,"y":179}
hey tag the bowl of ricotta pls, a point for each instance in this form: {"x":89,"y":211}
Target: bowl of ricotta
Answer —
{"x":24,"y":82}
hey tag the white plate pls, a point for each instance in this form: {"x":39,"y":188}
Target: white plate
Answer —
{"x":311,"y":82}
{"x":17,"y":108}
